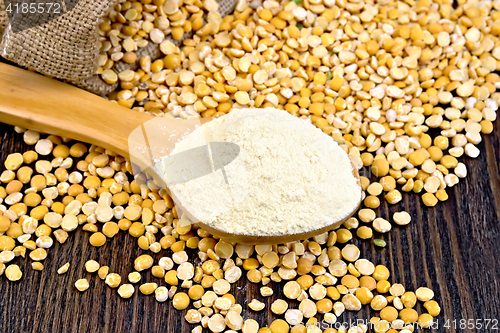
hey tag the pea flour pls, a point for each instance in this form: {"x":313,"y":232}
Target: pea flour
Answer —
{"x":289,"y":177}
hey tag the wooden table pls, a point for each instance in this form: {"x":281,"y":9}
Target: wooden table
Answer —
{"x":453,"y":248}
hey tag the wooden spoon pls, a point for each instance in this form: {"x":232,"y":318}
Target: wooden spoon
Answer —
{"x":33,"y":101}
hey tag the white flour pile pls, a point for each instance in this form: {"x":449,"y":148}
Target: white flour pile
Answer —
{"x":288,"y":178}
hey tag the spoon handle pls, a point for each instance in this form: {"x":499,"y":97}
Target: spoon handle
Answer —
{"x":43,"y":104}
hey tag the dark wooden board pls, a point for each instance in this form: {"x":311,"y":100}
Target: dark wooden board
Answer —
{"x":453,"y":248}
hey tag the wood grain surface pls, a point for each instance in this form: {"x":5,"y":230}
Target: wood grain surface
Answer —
{"x":453,"y":248}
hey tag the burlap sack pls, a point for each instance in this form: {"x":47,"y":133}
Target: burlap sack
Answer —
{"x":3,"y":17}
{"x":66,"y":47}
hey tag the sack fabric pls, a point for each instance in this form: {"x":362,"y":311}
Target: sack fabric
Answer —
{"x":4,"y":20}
{"x":66,"y":48}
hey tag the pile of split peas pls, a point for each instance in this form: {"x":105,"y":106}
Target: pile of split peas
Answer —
{"x":407,"y":89}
